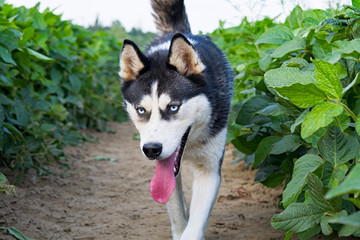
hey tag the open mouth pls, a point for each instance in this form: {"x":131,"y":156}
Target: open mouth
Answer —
{"x":179,"y":152}
{"x":163,"y":182}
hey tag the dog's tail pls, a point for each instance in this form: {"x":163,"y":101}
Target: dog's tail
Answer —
{"x":170,"y":16}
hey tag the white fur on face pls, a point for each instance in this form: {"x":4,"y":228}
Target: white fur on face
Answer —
{"x":194,"y":112}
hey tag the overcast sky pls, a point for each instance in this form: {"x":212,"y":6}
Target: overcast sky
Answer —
{"x":204,"y":15}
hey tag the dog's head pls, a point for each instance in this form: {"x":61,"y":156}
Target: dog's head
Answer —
{"x":165,"y":95}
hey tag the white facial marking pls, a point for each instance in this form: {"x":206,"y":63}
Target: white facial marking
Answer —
{"x":164,"y":101}
{"x":194,"y":112}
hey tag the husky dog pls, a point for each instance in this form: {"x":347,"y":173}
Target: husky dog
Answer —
{"x":177,"y":92}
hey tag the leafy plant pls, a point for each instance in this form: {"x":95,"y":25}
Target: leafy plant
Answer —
{"x":55,"y":78}
{"x":300,"y":123}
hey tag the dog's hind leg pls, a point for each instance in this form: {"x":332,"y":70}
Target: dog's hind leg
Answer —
{"x":177,"y":209}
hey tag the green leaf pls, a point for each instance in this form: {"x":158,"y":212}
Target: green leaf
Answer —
{"x":274,"y":180}
{"x":316,"y":191}
{"x":28,"y":33}
{"x":325,"y":227}
{"x":38,"y":56}
{"x":38,"y":20}
{"x":299,"y":120}
{"x":289,"y":47}
{"x":14,"y":131}
{"x":351,"y":184}
{"x":22,"y":114}
{"x":2,"y":116}
{"x":302,"y":95}
{"x":276,"y":35}
{"x":5,"y":187}
{"x":16,"y":233}
{"x":298,"y":217}
{"x":103,"y":158}
{"x":327,"y":79}
{"x":9,"y":39}
{"x":287,"y":76}
{"x":265,"y":62}
{"x":242,"y":143}
{"x":332,"y":176}
{"x":357,"y":125}
{"x":264,"y":148}
{"x":355,"y":3}
{"x":347,"y":230}
{"x":321,"y":116}
{"x":353,"y":82}
{"x":351,"y":220}
{"x":346,"y":47}
{"x":59,"y":111}
{"x":288,"y":235}
{"x":303,"y":166}
{"x":355,"y":201}
{"x":289,"y":143}
{"x":308,"y":234}
{"x":295,"y":62}
{"x":336,"y":147}
{"x":75,"y":83}
{"x":6,"y":56}
{"x":250,"y":107}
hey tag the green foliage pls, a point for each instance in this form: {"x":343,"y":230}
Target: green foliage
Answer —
{"x":297,"y":104}
{"x":55,"y":78}
{"x":5,"y":187}
{"x":16,"y":233}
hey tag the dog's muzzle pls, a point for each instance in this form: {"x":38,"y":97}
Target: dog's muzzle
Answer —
{"x":152,"y":150}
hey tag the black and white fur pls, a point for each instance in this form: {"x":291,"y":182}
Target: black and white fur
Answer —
{"x":178,"y":93}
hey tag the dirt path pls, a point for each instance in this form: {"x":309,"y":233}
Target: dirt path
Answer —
{"x":110,"y":200}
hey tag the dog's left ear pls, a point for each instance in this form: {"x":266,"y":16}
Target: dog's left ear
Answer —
{"x":132,"y":61}
{"x":183,"y":56}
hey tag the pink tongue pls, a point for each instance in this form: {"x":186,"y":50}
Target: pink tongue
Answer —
{"x":163,"y":182}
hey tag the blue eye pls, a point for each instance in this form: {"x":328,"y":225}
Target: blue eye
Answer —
{"x":174,"y":108}
{"x":140,"y":110}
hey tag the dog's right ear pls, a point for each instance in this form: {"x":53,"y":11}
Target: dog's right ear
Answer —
{"x":132,"y":61}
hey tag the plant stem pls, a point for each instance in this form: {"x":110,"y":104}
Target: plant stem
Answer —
{"x":353,"y":116}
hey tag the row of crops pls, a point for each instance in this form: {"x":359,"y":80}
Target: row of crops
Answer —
{"x":296,"y":114}
{"x":55,"y":78}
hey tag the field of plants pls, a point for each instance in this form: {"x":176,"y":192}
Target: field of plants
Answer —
{"x":296,"y":104}
{"x":296,"y":114}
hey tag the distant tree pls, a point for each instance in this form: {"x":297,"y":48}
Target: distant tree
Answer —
{"x":117,"y":29}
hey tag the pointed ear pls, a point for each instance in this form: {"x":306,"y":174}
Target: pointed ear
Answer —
{"x":132,"y":61}
{"x":183,"y":56}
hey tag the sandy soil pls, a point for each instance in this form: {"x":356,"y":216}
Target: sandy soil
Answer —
{"x":111,"y":199}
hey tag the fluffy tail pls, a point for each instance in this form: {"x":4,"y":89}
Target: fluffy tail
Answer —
{"x":170,"y":16}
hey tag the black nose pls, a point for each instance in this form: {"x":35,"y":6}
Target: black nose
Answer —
{"x":152,"y":150}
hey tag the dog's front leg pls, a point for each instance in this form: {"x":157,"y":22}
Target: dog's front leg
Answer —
{"x":177,"y":210}
{"x":205,"y":189}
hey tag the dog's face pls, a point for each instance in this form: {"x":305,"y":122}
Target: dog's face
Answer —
{"x":164,"y":96}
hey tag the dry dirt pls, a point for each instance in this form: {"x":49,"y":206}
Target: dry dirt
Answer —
{"x":111,"y":199}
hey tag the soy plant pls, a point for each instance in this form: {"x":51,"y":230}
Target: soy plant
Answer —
{"x":55,"y":78}
{"x":302,"y":126}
